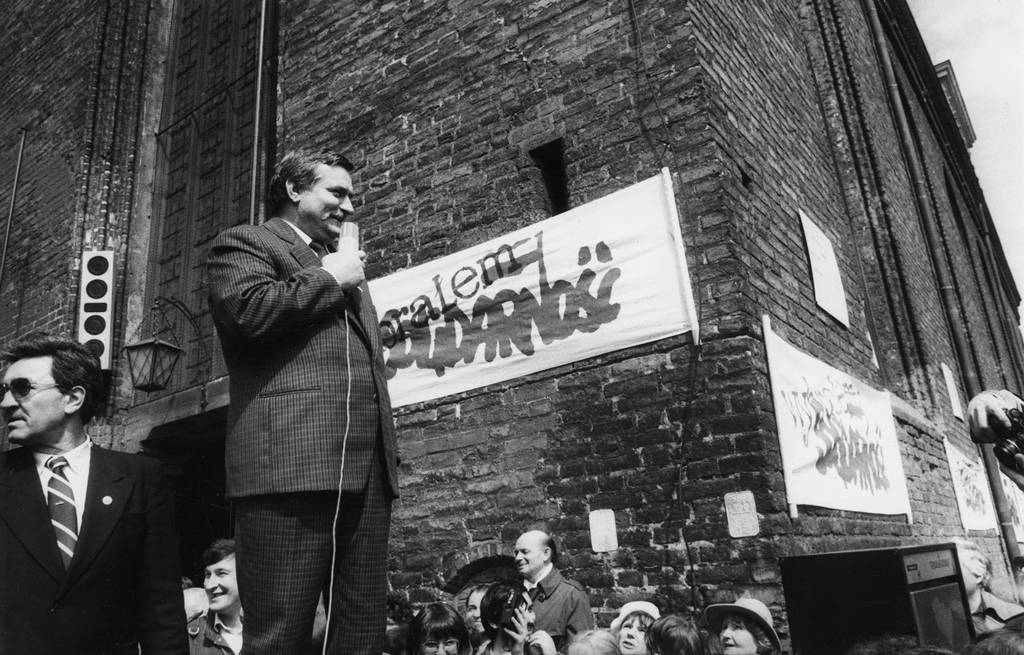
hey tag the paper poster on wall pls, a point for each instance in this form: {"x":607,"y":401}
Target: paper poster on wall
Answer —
{"x":954,"y":393}
{"x":970,"y":485}
{"x":741,"y":513}
{"x":874,"y":353}
{"x":828,"y":283}
{"x":837,"y":435}
{"x":1018,"y":497}
{"x":605,"y":276}
{"x":1013,"y":501}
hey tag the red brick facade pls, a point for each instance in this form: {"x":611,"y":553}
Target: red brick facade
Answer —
{"x":760,"y":110}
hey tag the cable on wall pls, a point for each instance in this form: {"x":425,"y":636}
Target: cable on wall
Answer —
{"x":694,"y":272}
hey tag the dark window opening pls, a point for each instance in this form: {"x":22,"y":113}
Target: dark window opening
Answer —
{"x":745,"y":179}
{"x":192,"y":452}
{"x":550,"y":160}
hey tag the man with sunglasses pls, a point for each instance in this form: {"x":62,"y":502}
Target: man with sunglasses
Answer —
{"x":88,"y":549}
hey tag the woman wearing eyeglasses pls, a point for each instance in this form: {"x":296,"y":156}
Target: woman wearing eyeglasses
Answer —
{"x":438,"y":630}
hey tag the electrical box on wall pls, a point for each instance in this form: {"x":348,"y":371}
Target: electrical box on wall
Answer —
{"x":96,"y":303}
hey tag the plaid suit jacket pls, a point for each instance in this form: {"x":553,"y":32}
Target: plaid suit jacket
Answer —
{"x":296,"y":345}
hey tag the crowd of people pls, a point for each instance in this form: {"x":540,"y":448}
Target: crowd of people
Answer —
{"x":744,"y":627}
{"x":500,"y":619}
{"x":505,"y":623}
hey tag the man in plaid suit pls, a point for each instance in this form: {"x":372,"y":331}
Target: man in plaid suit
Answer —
{"x":310,"y":416}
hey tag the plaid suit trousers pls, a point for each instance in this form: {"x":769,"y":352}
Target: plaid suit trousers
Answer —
{"x":284,"y":562}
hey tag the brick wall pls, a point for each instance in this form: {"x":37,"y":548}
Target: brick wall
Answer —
{"x":73,"y":75}
{"x":759,"y":110}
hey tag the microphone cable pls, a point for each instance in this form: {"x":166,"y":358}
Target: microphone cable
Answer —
{"x":329,"y":604}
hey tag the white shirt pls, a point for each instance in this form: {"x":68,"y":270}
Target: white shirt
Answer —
{"x":302,"y":235}
{"x":233,"y":638}
{"x":543,"y":574}
{"x":308,"y":240}
{"x":77,"y":472}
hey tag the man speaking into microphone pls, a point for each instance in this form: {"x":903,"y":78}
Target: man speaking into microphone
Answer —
{"x":311,"y":453}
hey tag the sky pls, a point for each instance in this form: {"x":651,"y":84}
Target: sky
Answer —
{"x":984,"y":41}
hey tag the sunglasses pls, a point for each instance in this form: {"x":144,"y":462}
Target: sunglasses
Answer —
{"x":23,"y":388}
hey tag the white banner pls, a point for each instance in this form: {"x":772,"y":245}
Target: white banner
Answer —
{"x":1014,"y":501}
{"x":971,"y":488}
{"x":604,"y":276}
{"x":837,"y":436}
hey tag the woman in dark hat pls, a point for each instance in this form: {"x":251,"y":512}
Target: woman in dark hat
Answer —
{"x":744,"y":627}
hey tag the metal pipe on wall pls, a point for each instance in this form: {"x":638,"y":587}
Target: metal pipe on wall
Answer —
{"x":10,"y":213}
{"x":916,"y":171}
{"x":254,"y":170}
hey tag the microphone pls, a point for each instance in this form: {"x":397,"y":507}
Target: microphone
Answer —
{"x":348,"y":242}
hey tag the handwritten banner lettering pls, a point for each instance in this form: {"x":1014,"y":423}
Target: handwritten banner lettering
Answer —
{"x":837,"y":437}
{"x":970,"y":485}
{"x":1014,"y":502}
{"x":605,"y":276}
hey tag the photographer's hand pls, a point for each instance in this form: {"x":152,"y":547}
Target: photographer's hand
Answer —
{"x":1015,"y":476}
{"x":518,"y":637}
{"x":542,"y":643}
{"x":986,"y":415}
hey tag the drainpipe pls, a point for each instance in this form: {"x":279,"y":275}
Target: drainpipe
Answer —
{"x":254,"y":170}
{"x":943,"y":275}
{"x":10,"y":213}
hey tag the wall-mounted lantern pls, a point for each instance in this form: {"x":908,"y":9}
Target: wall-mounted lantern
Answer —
{"x":152,"y":363}
{"x":152,"y":360}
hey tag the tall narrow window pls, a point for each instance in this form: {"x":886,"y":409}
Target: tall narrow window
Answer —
{"x":207,"y":139}
{"x":550,"y":159}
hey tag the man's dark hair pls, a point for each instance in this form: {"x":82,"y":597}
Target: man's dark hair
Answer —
{"x":398,"y":608}
{"x":674,"y":635}
{"x":493,"y":603}
{"x":549,"y":542}
{"x":219,"y":550}
{"x":1004,"y":641}
{"x":888,"y":644}
{"x":395,"y":639}
{"x":299,"y":168}
{"x":74,"y":365}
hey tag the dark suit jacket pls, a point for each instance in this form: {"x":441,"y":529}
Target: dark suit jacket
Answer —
{"x":282,"y":324}
{"x":123,"y":588}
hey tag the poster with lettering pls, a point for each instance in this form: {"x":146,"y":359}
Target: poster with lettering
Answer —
{"x":837,"y":436}
{"x":1014,"y":502}
{"x":971,"y":488}
{"x":1018,"y":497}
{"x":604,"y":276}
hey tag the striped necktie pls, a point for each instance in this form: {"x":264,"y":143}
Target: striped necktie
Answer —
{"x":61,"y":501}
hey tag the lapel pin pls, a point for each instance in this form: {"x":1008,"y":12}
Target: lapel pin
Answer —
{"x":107,"y":500}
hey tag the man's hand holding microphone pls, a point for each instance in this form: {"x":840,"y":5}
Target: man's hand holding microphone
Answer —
{"x":346,"y":265}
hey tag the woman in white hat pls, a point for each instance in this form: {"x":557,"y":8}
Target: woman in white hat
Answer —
{"x":630,"y":627}
{"x":744,"y":627}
